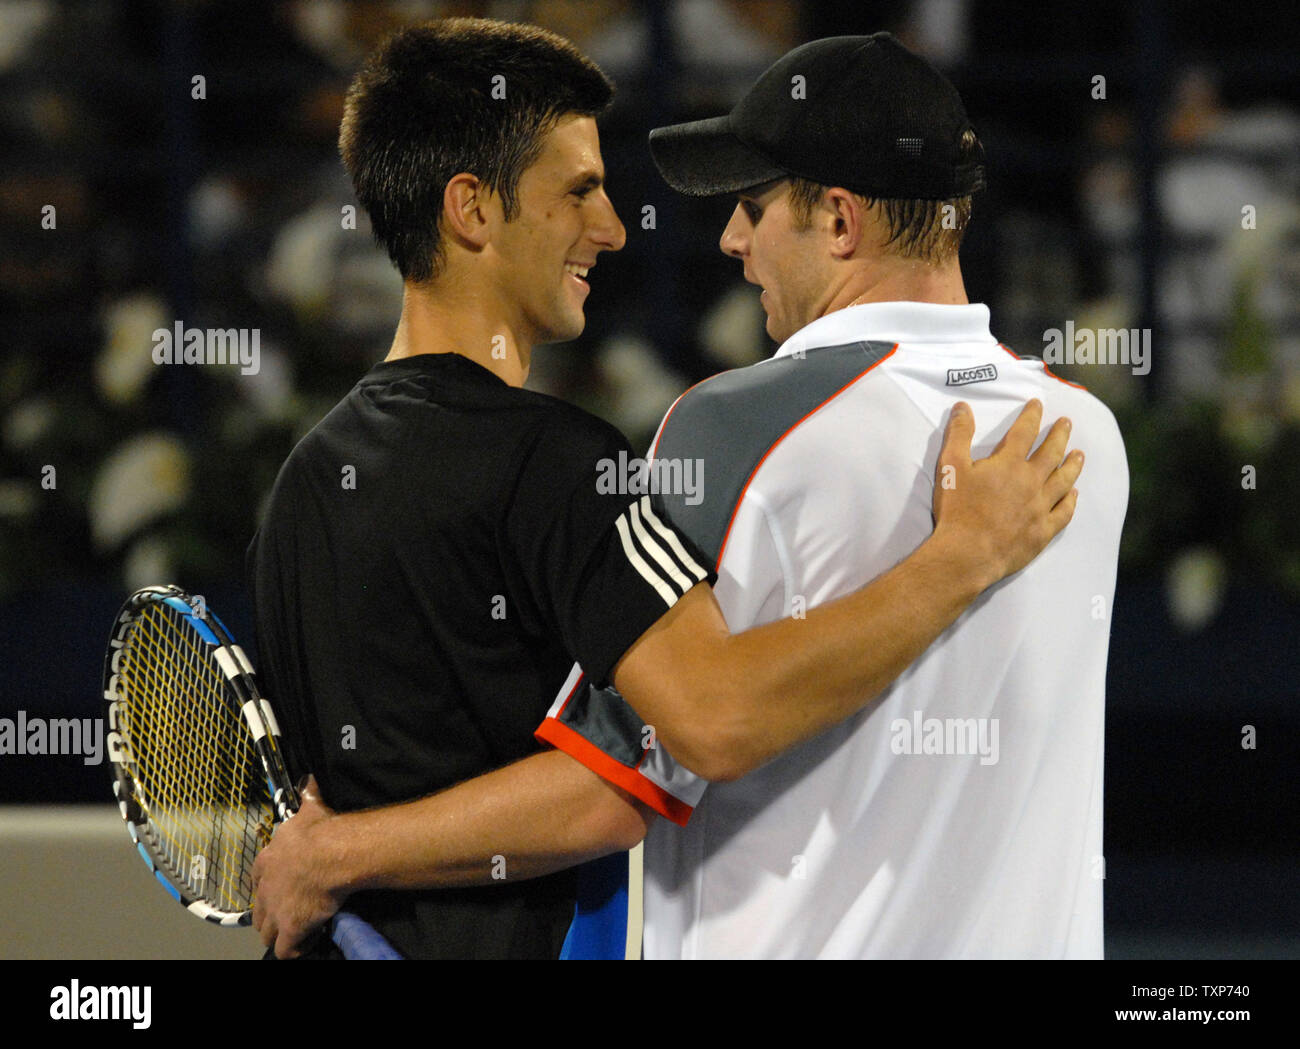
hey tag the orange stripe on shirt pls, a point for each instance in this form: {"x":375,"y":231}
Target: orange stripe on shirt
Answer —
{"x":583,"y":751}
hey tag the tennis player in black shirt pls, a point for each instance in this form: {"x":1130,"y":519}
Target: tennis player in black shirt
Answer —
{"x":437,"y":552}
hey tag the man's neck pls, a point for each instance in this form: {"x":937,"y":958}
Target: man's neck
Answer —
{"x":903,"y":282}
{"x":454,"y":319}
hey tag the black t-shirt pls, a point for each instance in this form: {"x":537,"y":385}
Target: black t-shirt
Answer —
{"x":436,"y":554}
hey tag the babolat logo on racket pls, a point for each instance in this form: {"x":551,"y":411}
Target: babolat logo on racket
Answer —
{"x":122,"y":630}
{"x":117,"y":747}
{"x":962,"y":376}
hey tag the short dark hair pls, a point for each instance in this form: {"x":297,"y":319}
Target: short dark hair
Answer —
{"x":919,"y":229}
{"x":422,"y":110}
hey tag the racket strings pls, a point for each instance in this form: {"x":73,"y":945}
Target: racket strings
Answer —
{"x":197,"y":775}
{"x":191,"y":680}
{"x":223,"y":786}
{"x":200,"y":785}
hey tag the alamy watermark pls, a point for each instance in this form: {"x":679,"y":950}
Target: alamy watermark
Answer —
{"x":24,"y":736}
{"x":1126,"y":346}
{"x":922,"y":735}
{"x":182,"y":345}
{"x":93,"y":1002}
{"x":624,"y":476}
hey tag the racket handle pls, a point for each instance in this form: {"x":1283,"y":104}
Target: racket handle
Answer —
{"x":360,"y":941}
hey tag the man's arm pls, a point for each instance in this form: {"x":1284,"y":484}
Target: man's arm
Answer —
{"x":724,"y":704}
{"x":542,"y":814}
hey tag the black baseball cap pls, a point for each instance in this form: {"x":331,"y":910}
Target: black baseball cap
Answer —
{"x":868,"y":115}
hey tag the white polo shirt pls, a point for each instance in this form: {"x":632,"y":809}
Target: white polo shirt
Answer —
{"x":960,"y":814}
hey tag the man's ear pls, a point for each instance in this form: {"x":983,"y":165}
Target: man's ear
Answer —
{"x":853,"y":221}
{"x":465,"y":204}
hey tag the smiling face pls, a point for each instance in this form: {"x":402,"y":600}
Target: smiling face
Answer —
{"x":788,"y":262}
{"x":565,"y":220}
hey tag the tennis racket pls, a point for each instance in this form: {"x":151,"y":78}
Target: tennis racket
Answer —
{"x":198,"y":765}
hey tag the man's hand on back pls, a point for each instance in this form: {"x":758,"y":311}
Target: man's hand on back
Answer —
{"x":1008,"y":507}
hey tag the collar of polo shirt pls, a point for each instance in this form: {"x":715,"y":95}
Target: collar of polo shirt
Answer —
{"x":901,"y":322}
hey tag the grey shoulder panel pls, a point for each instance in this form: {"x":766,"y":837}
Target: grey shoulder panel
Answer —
{"x":727,"y":424}
{"x":602,"y":716}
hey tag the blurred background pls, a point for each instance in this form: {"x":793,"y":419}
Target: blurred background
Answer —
{"x":1144,"y":173}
